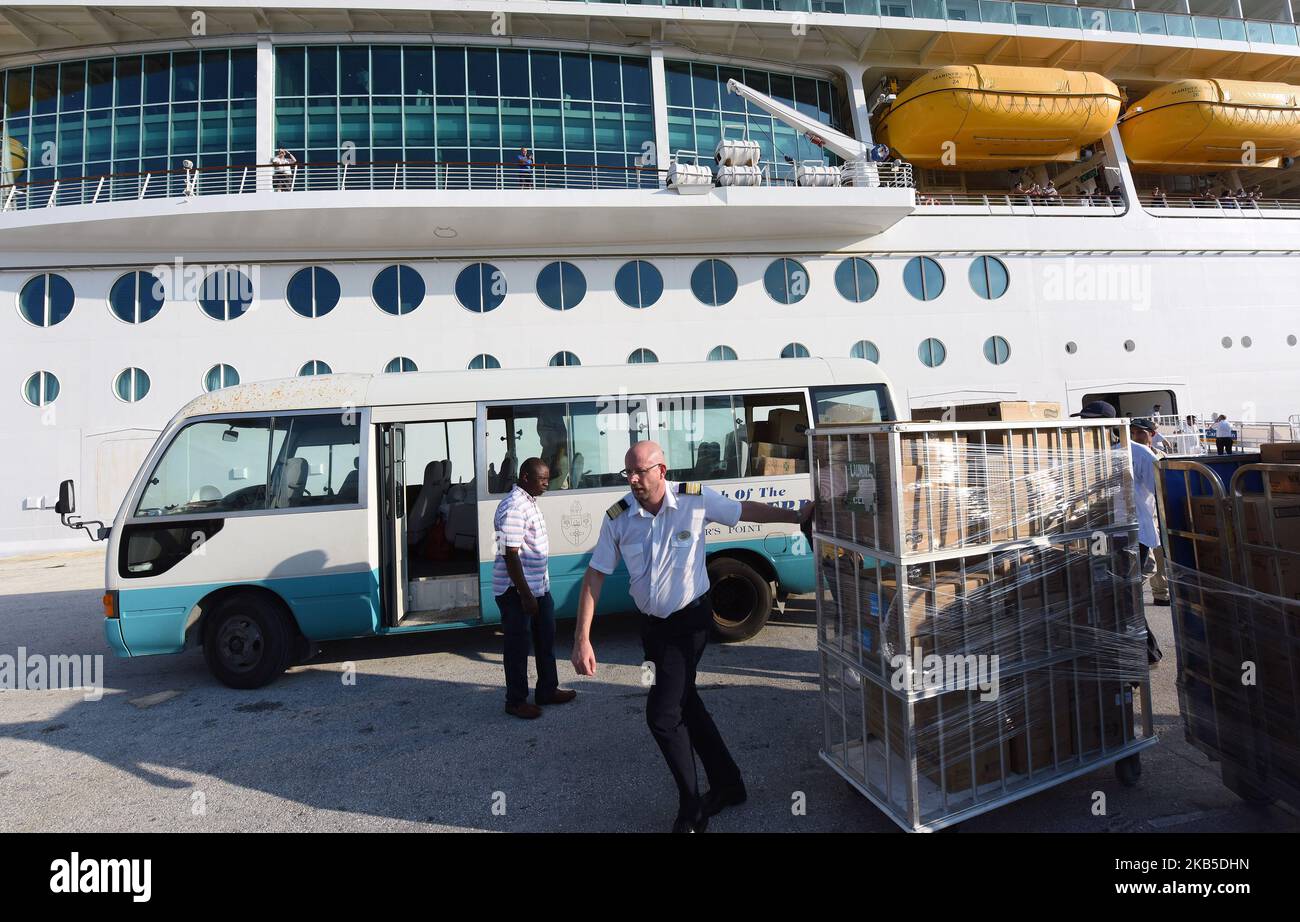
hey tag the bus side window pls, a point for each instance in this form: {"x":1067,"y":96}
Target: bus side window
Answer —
{"x":211,"y":467}
{"x":776,"y":425}
{"x":582,"y":443}
{"x":703,"y":438}
{"x":317,"y":457}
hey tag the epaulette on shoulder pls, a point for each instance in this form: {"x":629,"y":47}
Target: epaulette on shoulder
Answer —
{"x":617,"y":509}
{"x":690,"y":489}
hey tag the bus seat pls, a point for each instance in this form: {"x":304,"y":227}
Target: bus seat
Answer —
{"x":560,"y":473}
{"x":707,"y":461}
{"x":348,"y":491}
{"x":423,"y":512}
{"x":735,"y":455}
{"x":462,"y":526}
{"x":206,"y":494}
{"x":506,"y":479}
{"x":288,"y":483}
{"x":579,"y":470}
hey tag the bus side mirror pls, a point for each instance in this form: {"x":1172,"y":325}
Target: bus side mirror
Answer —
{"x":67,"y":503}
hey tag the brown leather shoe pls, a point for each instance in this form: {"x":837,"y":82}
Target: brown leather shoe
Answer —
{"x":525,"y":710}
{"x":560,"y":696}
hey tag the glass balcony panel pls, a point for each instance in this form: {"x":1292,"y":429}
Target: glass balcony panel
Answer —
{"x":1123,"y":21}
{"x":1064,"y":17}
{"x":1151,"y":24}
{"x":964,"y":10}
{"x":1031,"y":14}
{"x":1233,"y":30}
{"x":1284,"y":34}
{"x":1259,"y":32}
{"x":1179,"y":25}
{"x":1206,"y":27}
{"x":997,"y":11}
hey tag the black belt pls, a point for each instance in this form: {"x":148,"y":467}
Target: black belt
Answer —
{"x":689,"y":606}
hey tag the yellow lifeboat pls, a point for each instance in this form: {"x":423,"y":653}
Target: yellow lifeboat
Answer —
{"x":973,"y":117}
{"x":1208,"y":125}
{"x":13,"y":160}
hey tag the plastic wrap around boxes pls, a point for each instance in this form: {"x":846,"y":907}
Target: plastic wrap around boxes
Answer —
{"x":1000,"y":558}
{"x":1233,"y":562}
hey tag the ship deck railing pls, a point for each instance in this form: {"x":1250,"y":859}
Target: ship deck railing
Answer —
{"x":1017,"y":203}
{"x":1225,"y":207}
{"x":376,"y":176}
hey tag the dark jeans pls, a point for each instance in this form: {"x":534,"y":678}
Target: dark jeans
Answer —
{"x":1224,"y":445}
{"x":1154,"y":654}
{"x":680,"y":723}
{"x":520,"y":628}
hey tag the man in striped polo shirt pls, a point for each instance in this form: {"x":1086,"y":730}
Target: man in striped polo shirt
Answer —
{"x":522,"y":588}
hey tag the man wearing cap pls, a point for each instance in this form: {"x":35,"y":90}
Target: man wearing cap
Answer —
{"x":658,"y":530}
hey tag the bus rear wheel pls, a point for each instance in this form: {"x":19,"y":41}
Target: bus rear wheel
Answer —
{"x":741,"y":597}
{"x":246,"y":641}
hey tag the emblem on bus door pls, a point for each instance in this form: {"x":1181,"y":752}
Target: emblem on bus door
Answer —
{"x":576,"y":526}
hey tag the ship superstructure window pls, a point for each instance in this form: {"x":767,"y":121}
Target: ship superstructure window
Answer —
{"x":699,"y":107}
{"x":561,"y":286}
{"x":997,"y":350}
{"x":313,"y":292}
{"x":136,"y":297}
{"x":400,"y":365}
{"x":795,"y":351}
{"x":931,"y":352}
{"x":1246,"y":342}
{"x":722,"y":354}
{"x":988,"y":276}
{"x":480,"y":287}
{"x":642,"y":357}
{"x":483,"y":361}
{"x":714,"y":282}
{"x":563,"y":360}
{"x":786,"y":280}
{"x":923,"y":278}
{"x":226,"y":295}
{"x":46,"y":299}
{"x":865,"y":349}
{"x":314,"y":367}
{"x":220,"y":376}
{"x":398,"y":290}
{"x":1291,"y":340}
{"x":464,"y":106}
{"x":41,"y":389}
{"x":132,"y":384}
{"x":1226,"y":342}
{"x":638,"y":284}
{"x":856,"y":279}
{"x":1129,"y":345}
{"x":1071,"y":347}
{"x":131,"y":114}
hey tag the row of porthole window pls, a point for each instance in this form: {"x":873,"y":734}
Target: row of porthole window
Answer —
{"x":132,"y":384}
{"x":225,"y":294}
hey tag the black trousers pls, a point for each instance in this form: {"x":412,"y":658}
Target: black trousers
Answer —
{"x":680,"y":723}
{"x":521,"y":627}
{"x":1223,"y":444}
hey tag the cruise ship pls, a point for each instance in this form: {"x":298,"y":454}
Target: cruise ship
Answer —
{"x":992,"y":200}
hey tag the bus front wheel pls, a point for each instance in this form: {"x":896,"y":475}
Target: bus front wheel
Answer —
{"x":246,"y":641}
{"x":741,"y":597}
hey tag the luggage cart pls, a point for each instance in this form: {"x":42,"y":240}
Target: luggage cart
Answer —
{"x":1010,"y":546}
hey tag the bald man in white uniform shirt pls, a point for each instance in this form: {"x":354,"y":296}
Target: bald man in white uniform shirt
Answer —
{"x":658,"y":531}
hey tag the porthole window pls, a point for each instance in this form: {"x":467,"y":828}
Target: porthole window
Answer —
{"x":220,"y":376}
{"x":988,"y":276}
{"x":1246,"y":341}
{"x":786,"y":280}
{"x":1071,"y":347}
{"x":638,"y":284}
{"x":563,"y":359}
{"x":865,"y":349}
{"x":923,"y":278}
{"x":399,"y":365}
{"x":722,"y":354}
{"x":561,"y":286}
{"x":132,"y":384}
{"x":136,"y":297}
{"x":41,"y":389}
{"x":714,"y":282}
{"x":1291,"y":340}
{"x":795,"y":351}
{"x":1129,"y":345}
{"x":997,"y":350}
{"x":856,"y":279}
{"x":483,"y":361}
{"x":314,"y":367}
{"x":480,"y":288}
{"x":314,"y":291}
{"x":227,"y":294}
{"x":932,"y":352}
{"x":1226,"y":342}
{"x":46,"y":299}
{"x":398,"y":290}
{"x":642,"y":357}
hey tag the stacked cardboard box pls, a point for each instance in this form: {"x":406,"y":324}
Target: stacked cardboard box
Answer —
{"x":923,"y":531}
{"x":779,"y":444}
{"x":1001,"y":411}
